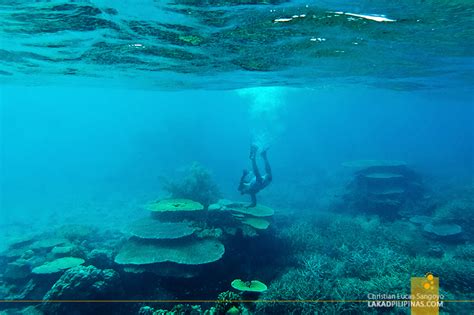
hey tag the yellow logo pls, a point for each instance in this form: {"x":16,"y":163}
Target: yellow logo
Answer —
{"x":425,"y":295}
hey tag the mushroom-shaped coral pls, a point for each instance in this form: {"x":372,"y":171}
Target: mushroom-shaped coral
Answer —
{"x":383,"y":187}
{"x":420,"y":219}
{"x":58,"y":265}
{"x":48,"y":243}
{"x":62,"y":251}
{"x":374,"y":163}
{"x":174,"y":205}
{"x":383,"y":175}
{"x":154,"y":229}
{"x":182,"y":251}
{"x":249,"y":286}
{"x":257,"y":211}
{"x":257,"y":223}
{"x":443,"y":230}
{"x":176,"y":209}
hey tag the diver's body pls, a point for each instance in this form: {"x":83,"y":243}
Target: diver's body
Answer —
{"x":257,"y":182}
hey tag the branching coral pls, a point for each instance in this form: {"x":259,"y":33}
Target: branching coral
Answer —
{"x":226,"y":300}
{"x":347,"y":257}
{"x":197,"y":184}
{"x":459,"y":211}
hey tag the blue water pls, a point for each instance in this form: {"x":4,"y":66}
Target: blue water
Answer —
{"x":103,"y":103}
{"x":61,"y":143}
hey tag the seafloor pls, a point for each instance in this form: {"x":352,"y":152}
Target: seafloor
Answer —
{"x":182,"y":255}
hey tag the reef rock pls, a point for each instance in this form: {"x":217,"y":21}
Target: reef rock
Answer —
{"x":17,"y":270}
{"x":101,"y":258}
{"x":82,"y":283}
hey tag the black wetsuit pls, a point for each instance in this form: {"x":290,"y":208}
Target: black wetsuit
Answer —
{"x":257,"y":182}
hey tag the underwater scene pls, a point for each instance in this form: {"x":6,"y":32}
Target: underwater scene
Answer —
{"x":227,"y":157}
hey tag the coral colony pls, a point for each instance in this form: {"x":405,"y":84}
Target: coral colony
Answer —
{"x":227,"y":252}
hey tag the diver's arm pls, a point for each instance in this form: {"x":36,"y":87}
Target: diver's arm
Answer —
{"x":242,"y":180}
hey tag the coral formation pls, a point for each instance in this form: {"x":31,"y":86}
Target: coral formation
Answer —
{"x":101,"y":258}
{"x":257,"y":211}
{"x":252,"y":218}
{"x":48,"y":243}
{"x":171,"y":239}
{"x":82,"y":283}
{"x":257,"y":223}
{"x":197,"y":184}
{"x":174,"y":205}
{"x":457,"y":210}
{"x":443,"y":230}
{"x":149,"y":228}
{"x":181,"y":251}
{"x":226,"y":301}
{"x":62,"y":251}
{"x":18,"y":269}
{"x":321,"y":255}
{"x":249,"y":286}
{"x":58,"y":265}
{"x":383,"y":187}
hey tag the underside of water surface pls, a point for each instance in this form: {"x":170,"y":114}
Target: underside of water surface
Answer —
{"x":230,"y":44}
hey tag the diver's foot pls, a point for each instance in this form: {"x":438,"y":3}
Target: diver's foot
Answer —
{"x":253,"y":151}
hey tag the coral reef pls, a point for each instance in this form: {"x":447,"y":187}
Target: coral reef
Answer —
{"x":182,"y":232}
{"x":350,"y":256}
{"x":157,"y":240}
{"x":184,"y":250}
{"x":457,"y":211}
{"x":383,"y":187}
{"x":31,"y":265}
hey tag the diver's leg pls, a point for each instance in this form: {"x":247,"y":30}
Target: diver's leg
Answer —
{"x":255,"y":169}
{"x":268,"y":169}
{"x":253,"y":151}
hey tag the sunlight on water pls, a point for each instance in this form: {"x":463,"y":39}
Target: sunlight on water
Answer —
{"x":199,"y":44}
{"x":267,"y":106}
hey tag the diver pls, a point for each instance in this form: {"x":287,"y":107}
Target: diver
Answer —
{"x":256,"y":182}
